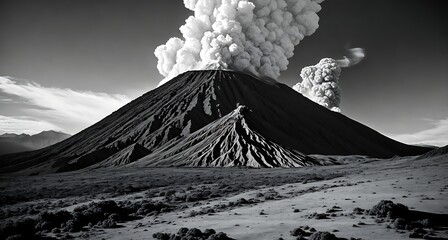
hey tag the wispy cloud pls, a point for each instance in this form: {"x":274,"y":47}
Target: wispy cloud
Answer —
{"x":66,"y":109}
{"x":437,"y":135}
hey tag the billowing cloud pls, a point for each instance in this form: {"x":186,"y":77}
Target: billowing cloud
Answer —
{"x":254,"y":36}
{"x":69,"y":110}
{"x":435,"y":136}
{"x":320,"y":83}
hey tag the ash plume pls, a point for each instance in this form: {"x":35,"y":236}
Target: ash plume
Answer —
{"x":256,"y":36}
{"x":320,"y":83}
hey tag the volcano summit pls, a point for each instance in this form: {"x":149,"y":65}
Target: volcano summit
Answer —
{"x":212,"y":118}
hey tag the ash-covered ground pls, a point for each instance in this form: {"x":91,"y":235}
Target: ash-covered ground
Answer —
{"x":324,"y":202}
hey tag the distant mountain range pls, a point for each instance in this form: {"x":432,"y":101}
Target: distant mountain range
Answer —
{"x":13,"y":143}
{"x":212,"y":118}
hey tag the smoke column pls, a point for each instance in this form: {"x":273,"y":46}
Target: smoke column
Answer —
{"x":320,"y":83}
{"x":254,"y":36}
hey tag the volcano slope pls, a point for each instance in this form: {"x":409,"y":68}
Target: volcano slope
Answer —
{"x":188,"y":122}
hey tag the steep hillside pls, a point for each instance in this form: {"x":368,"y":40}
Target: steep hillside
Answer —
{"x":195,"y":99}
{"x":227,"y":142}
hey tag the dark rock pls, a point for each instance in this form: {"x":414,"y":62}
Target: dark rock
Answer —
{"x":400,"y":223}
{"x":322,"y":236}
{"x":425,"y":223}
{"x":386,"y":208}
{"x":208,"y":232}
{"x":321,"y":216}
{"x":161,"y":236}
{"x":298,"y":232}
{"x":182,"y":231}
{"x":218,"y":236}
{"x":417,"y":233}
{"x":109,"y":223}
{"x":358,"y":211}
{"x":16,"y":237}
{"x":194,"y":232}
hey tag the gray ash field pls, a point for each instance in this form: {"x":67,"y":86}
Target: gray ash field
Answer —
{"x":243,"y":203}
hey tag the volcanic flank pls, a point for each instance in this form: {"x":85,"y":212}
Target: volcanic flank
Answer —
{"x":212,"y":118}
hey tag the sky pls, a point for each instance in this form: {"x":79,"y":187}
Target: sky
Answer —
{"x":68,"y":63}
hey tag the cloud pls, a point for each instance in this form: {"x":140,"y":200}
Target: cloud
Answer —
{"x":355,"y":56}
{"x":67,"y":109}
{"x":320,"y":83}
{"x":436,"y":136}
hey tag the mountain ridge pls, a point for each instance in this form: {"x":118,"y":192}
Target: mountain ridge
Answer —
{"x":195,"y":99}
{"x":229,"y":141}
{"x":12,"y":143}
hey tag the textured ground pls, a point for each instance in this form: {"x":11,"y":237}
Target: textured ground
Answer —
{"x":213,"y":198}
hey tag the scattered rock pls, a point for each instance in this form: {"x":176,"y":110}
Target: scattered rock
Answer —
{"x":321,"y":216}
{"x":298,"y":232}
{"x":359,"y":211}
{"x":103,"y":214}
{"x":323,"y":236}
{"x":417,"y":233}
{"x":192,"y":234}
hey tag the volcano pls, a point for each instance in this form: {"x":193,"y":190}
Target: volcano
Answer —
{"x":212,"y":118}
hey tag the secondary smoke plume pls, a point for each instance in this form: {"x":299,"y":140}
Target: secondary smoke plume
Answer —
{"x":255,"y":36}
{"x":320,"y":82}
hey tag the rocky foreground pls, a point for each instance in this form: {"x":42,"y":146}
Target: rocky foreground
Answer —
{"x":363,"y":198}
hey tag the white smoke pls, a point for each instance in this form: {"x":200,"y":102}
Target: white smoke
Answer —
{"x":355,"y":56}
{"x":255,"y":36}
{"x":320,"y":83}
